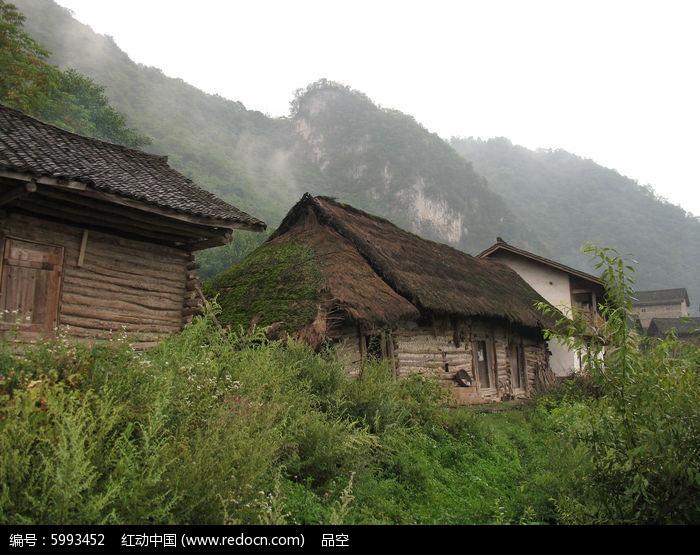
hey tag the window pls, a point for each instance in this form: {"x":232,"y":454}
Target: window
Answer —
{"x":378,"y":345}
{"x":583,"y":299}
{"x":482,"y":364}
{"x":30,"y":284}
{"x":374,"y":346}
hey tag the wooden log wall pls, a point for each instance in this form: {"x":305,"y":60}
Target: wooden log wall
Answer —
{"x":445,"y":348}
{"x":113,"y":285}
{"x":536,"y":361}
{"x":503,"y":368}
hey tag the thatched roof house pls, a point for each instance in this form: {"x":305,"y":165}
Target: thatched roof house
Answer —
{"x":332,"y":273}
{"x":97,"y":237}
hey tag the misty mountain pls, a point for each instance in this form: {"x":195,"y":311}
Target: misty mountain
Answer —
{"x":337,"y":142}
{"x":222,"y":146}
{"x":384,"y":162}
{"x":574,"y":200}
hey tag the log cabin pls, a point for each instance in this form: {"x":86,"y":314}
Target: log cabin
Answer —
{"x":338,"y":277}
{"x":97,"y":238}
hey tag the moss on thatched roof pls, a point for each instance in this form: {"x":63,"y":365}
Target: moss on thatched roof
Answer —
{"x":434,"y":277}
{"x":350,"y":286}
{"x":331,"y":256}
{"x":276,"y":283}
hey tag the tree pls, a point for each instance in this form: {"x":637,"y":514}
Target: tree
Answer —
{"x":83,"y":107}
{"x":642,"y":431}
{"x":66,"y":99}
{"x":27,"y":81}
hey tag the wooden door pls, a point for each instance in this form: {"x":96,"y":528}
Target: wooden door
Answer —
{"x":30,"y":285}
{"x":518,"y":366}
{"x":483,"y":368}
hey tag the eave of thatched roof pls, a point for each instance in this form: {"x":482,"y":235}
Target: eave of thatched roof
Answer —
{"x":433,"y":277}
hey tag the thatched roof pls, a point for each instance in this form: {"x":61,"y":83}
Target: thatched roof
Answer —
{"x":379,"y":271}
{"x":349,"y":283}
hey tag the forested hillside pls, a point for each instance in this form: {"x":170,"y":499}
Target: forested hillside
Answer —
{"x":574,"y":199}
{"x":221,"y":145}
{"x":337,"y":142}
{"x":383,"y":161}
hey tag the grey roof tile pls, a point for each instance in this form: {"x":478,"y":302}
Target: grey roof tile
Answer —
{"x":32,"y":146}
{"x":661,"y":296}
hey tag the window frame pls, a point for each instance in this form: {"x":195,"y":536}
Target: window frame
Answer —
{"x":377,"y":344}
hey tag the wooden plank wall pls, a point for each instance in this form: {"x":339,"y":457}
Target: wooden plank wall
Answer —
{"x":113,"y":285}
{"x":432,"y":351}
{"x":536,"y":361}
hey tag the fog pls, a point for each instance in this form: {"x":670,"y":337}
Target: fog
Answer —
{"x":611,"y":81}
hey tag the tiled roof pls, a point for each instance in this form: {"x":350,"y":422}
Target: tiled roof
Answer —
{"x":501,"y":245}
{"x":683,"y":327}
{"x":661,"y":296}
{"x":30,"y":146}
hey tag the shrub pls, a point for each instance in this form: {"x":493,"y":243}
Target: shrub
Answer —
{"x":641,"y":432}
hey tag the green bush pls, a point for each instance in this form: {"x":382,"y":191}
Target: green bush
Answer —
{"x":69,"y":456}
{"x":640,"y":431}
{"x":223,"y":426}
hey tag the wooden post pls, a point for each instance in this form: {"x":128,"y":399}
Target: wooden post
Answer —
{"x":83,"y":247}
{"x":208,"y":305}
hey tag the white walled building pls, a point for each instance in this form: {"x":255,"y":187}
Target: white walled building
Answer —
{"x":560,"y":285}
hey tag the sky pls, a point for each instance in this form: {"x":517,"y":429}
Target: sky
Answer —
{"x":616,"y":81}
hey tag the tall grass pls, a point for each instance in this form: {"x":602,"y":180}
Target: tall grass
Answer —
{"x":220,"y":426}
